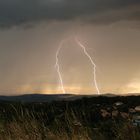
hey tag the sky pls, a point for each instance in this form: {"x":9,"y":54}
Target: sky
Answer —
{"x":32,"y":30}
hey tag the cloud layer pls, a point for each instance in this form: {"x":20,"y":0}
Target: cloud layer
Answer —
{"x":17,"y":12}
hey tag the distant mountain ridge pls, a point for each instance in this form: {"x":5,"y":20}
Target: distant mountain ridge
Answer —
{"x":48,"y":97}
{"x":40,"y":97}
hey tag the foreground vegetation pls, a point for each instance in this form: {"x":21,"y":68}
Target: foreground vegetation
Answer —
{"x":83,"y":119}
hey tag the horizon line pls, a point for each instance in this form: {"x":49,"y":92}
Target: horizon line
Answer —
{"x":76,"y":94}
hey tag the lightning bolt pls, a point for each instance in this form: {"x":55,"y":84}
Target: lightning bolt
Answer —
{"x":92,"y":63}
{"x":58,"y":67}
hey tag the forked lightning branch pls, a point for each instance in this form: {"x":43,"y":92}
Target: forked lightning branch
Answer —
{"x":57,"y":66}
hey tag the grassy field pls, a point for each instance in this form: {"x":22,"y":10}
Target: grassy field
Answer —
{"x":83,"y":119}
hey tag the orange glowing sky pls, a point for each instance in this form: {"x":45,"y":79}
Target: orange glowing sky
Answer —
{"x":29,"y":39}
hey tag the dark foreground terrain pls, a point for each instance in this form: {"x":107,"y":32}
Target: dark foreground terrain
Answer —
{"x":88,"y":118}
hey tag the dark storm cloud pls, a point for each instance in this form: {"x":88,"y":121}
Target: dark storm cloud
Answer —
{"x":16,"y":12}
